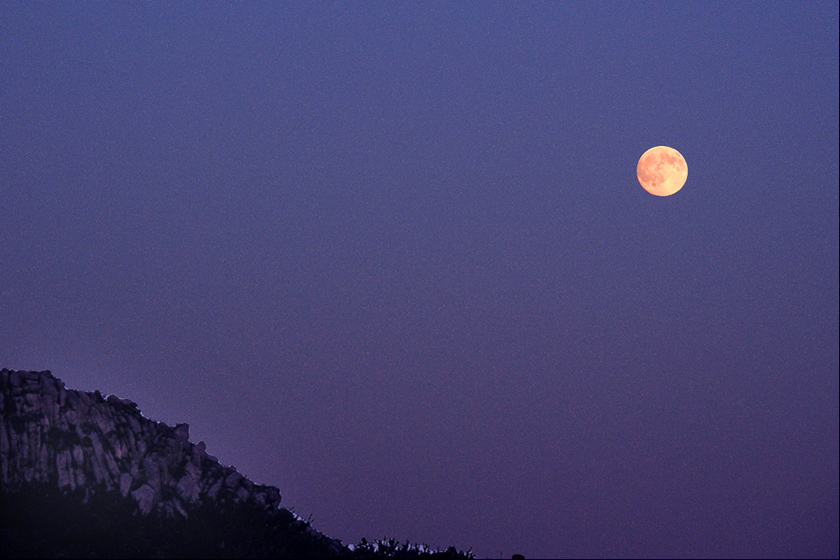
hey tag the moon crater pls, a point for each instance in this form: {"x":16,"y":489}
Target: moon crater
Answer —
{"x":662,"y":171}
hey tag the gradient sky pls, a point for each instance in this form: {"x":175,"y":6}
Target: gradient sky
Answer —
{"x":393,"y":258}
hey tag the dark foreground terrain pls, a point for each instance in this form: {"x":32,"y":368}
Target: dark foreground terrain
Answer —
{"x":41,"y":522}
{"x":83,"y":475}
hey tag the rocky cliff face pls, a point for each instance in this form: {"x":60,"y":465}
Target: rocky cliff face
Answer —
{"x":80,"y":440}
{"x":87,"y":475}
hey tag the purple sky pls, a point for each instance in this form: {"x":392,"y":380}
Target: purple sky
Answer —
{"x":393,"y":258}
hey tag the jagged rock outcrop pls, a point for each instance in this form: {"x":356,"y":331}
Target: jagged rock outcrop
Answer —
{"x":87,"y":475}
{"x":80,"y":440}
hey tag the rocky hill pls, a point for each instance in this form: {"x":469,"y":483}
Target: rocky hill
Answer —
{"x":141,"y":487}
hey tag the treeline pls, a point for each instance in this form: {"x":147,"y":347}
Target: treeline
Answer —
{"x":40,"y":521}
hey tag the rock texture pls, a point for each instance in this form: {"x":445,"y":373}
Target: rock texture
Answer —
{"x":87,"y":475}
{"x":80,"y":440}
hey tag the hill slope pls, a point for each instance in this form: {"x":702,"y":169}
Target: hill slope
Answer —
{"x":85,"y":475}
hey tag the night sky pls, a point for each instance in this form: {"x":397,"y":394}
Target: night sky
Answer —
{"x":393,"y":258}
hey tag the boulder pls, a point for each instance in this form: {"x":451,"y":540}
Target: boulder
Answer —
{"x":145,"y":497}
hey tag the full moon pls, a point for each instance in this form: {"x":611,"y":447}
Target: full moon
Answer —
{"x":662,"y":171}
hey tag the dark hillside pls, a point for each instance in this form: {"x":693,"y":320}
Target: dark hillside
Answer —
{"x":88,"y":476}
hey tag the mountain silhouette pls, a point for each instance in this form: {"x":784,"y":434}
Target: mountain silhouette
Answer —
{"x":87,"y":475}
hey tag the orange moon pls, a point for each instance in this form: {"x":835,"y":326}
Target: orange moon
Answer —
{"x":662,"y":171}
